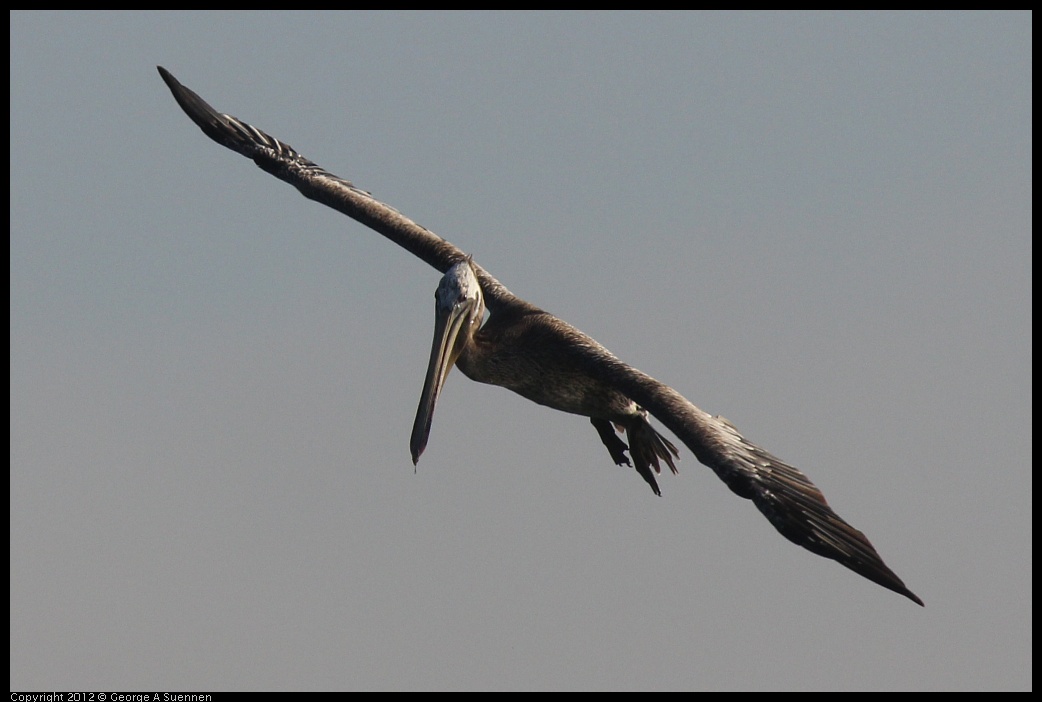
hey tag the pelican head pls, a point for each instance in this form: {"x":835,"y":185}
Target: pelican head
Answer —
{"x":458,"y":310}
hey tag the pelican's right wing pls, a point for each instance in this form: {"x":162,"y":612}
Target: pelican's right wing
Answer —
{"x":316,"y":183}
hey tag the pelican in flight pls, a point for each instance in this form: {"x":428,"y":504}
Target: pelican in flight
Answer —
{"x":522,"y":348}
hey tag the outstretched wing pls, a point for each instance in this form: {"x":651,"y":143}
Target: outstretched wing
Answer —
{"x":316,"y":183}
{"x":788,"y":499}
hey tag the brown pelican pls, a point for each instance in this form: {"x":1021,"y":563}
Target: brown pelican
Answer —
{"x":527,"y":350}
{"x":548,"y":361}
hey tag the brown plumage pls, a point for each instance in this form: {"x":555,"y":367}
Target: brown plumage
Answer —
{"x":524,"y":349}
{"x":550,"y":362}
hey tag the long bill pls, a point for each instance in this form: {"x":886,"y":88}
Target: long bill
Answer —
{"x":451,"y":334}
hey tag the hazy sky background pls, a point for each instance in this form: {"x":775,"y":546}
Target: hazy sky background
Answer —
{"x":816,"y":225}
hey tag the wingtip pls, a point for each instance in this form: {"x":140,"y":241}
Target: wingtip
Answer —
{"x":913,"y":597}
{"x":166,"y":75}
{"x":882,"y":575}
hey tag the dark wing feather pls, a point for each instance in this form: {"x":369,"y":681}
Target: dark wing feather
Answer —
{"x":783,"y":494}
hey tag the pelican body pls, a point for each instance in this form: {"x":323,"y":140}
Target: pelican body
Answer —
{"x":543,"y":358}
{"x":518,"y":350}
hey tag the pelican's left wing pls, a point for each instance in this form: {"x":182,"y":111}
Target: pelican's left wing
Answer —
{"x":787,"y":497}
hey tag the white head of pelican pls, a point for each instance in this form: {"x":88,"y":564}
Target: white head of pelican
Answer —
{"x":458,"y":310}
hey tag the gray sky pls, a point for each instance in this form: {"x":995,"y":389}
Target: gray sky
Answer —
{"x":814,"y":225}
